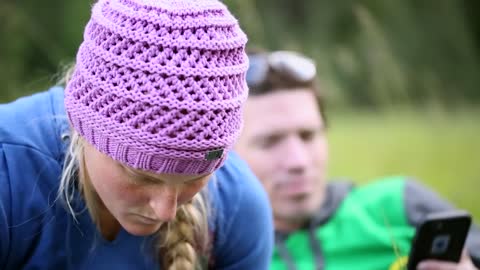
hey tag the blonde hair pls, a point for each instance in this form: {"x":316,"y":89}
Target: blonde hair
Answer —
{"x":179,"y":243}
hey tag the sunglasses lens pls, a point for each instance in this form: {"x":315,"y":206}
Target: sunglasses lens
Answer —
{"x":287,"y":63}
{"x":257,"y":70}
{"x":295,"y":65}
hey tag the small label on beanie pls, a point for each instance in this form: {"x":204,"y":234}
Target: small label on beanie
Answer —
{"x":214,"y":154}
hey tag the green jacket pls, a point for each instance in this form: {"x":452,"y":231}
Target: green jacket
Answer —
{"x":369,"y":227}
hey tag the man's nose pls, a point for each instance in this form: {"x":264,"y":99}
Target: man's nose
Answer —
{"x":164,"y":202}
{"x":296,"y":154}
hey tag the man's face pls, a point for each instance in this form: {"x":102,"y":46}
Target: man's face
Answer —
{"x":284,"y":143}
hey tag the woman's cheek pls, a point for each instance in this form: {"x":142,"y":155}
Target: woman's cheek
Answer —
{"x":131,"y":193}
{"x":189,"y":191}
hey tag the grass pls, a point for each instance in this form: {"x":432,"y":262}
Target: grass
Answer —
{"x":440,"y":149}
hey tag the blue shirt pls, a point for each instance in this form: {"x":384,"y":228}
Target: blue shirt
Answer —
{"x":37,"y":232}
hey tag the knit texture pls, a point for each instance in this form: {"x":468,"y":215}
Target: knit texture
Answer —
{"x":159,"y":84}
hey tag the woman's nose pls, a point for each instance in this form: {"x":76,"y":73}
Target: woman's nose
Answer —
{"x":164,"y":203}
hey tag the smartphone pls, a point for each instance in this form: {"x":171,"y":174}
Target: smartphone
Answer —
{"x":441,"y":236}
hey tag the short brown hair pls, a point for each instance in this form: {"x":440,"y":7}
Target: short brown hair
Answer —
{"x":274,"y":80}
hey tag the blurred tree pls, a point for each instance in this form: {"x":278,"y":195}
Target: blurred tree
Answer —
{"x":377,"y":53}
{"x":36,"y":40}
{"x":369,"y":53}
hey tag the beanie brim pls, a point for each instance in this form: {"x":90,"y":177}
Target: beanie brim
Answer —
{"x":132,"y":157}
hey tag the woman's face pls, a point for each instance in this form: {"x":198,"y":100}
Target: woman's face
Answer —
{"x":139,"y":201}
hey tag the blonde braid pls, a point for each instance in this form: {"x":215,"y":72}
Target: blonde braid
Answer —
{"x":183,"y":240}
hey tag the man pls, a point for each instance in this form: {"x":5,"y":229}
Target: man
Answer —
{"x":322,"y":225}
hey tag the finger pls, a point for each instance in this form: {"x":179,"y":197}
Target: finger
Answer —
{"x":436,"y":265}
{"x":465,"y":255}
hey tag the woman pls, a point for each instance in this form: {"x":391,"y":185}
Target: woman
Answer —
{"x":128,"y":167}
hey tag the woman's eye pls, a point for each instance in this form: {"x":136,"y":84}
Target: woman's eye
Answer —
{"x":309,"y":135}
{"x":149,"y":181}
{"x":141,"y":180}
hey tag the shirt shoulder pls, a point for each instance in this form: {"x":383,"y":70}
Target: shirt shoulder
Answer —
{"x":30,"y":169}
{"x":243,"y":218}
{"x":381,"y":200}
{"x":37,"y":121}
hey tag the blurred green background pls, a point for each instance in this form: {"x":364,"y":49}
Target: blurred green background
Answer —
{"x":401,"y":76}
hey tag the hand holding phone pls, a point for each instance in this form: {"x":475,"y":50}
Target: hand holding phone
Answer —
{"x":441,"y":236}
{"x":465,"y":263}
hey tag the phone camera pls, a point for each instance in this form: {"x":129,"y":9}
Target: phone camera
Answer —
{"x":440,"y":244}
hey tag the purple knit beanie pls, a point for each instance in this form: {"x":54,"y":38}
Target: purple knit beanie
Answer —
{"x":159,"y":84}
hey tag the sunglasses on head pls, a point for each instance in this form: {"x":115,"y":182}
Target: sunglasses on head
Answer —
{"x":289,"y":64}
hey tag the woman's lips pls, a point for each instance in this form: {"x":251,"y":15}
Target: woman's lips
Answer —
{"x":147,"y":220}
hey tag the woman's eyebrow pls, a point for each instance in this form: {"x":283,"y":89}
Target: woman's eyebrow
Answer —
{"x":137,"y":175}
{"x":196,"y":179}
{"x":145,"y":176}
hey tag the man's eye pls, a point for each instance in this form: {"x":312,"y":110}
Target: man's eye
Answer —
{"x":269,"y":142}
{"x":307,"y":135}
